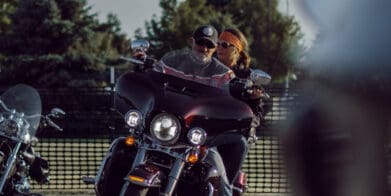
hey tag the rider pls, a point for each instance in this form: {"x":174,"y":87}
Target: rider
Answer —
{"x":209,"y":71}
{"x":233,"y":147}
{"x":231,"y":50}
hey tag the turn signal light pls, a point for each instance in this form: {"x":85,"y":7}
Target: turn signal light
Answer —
{"x":136,"y":179}
{"x":130,"y":141}
{"x":193,"y":158}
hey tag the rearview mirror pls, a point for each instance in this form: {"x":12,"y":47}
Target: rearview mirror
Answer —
{"x":140,"y":45}
{"x":57,"y":113}
{"x":259,"y":77}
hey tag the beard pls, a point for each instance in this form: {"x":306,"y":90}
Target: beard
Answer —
{"x":201,"y":57}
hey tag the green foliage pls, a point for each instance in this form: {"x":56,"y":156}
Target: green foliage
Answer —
{"x":58,"y":42}
{"x":272,"y":34}
{"x":52,"y":42}
{"x":58,"y":70}
{"x":273,"y":37}
{"x":7,"y":7}
{"x":178,"y":21}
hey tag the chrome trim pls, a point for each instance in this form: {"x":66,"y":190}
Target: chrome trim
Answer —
{"x":166,"y":150}
{"x":211,"y":189}
{"x":178,"y":126}
{"x":9,"y":164}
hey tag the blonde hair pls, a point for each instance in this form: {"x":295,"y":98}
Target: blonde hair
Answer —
{"x":244,"y":58}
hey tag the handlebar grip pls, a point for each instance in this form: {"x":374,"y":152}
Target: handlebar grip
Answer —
{"x":133,"y":60}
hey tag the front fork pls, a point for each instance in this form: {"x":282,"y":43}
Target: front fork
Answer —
{"x":9,"y":165}
{"x":174,"y":176}
{"x":140,"y":157}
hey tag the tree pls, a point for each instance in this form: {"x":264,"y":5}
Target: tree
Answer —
{"x":52,"y":42}
{"x":7,"y":7}
{"x":273,"y":37}
{"x":177,"y":24}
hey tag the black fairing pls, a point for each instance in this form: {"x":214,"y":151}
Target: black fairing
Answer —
{"x":193,"y":103}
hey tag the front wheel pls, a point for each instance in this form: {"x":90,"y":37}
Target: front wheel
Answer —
{"x":130,"y":189}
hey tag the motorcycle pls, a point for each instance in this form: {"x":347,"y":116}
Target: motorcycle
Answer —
{"x":170,"y":120}
{"x":20,"y":118}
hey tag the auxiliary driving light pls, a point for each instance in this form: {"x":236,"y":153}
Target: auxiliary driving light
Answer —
{"x":133,"y":118}
{"x":196,"y":136}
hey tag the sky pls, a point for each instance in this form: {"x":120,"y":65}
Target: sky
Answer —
{"x":131,"y":13}
{"x":297,"y":9}
{"x":134,"y":13}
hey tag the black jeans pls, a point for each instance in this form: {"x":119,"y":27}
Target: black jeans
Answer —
{"x":233,"y":148}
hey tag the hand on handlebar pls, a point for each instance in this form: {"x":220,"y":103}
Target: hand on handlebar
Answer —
{"x":141,"y":61}
{"x":256,"y":92}
{"x":140,"y":55}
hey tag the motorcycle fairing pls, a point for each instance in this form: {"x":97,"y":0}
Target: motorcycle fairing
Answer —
{"x":135,"y":90}
{"x":196,"y":104}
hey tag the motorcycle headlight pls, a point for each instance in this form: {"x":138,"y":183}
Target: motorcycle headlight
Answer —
{"x":133,"y":118}
{"x":165,"y":128}
{"x":196,"y":136}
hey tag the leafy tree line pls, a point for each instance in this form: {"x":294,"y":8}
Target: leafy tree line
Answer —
{"x":273,"y":37}
{"x":60,"y":43}
{"x":57,"y":43}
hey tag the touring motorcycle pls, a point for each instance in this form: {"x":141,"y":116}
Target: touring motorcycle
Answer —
{"x":170,"y":120}
{"x":20,"y":117}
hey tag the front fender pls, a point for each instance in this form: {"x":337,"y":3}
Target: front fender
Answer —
{"x":146,"y":175}
{"x":114,"y":167}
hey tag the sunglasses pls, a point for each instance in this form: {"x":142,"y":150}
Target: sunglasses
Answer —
{"x":224,"y":44}
{"x":205,"y":43}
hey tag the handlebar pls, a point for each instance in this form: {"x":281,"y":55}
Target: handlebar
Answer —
{"x":4,"y":106}
{"x":133,"y":60}
{"x":52,"y":124}
{"x":46,"y":118}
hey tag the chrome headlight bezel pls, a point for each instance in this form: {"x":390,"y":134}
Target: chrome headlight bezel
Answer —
{"x":196,"y":136}
{"x":165,"y":128}
{"x":11,"y":127}
{"x":133,"y":118}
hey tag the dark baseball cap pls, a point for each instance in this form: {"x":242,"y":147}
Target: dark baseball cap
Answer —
{"x":206,"y":32}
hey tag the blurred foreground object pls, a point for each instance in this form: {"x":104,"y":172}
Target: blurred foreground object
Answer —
{"x":337,"y":140}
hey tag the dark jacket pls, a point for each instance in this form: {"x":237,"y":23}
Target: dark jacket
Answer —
{"x":257,"y":105}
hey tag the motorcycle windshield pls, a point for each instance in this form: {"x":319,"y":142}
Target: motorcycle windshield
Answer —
{"x":192,"y":66}
{"x":24,"y":98}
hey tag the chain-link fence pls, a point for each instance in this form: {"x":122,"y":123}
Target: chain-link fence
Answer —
{"x":90,"y":125}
